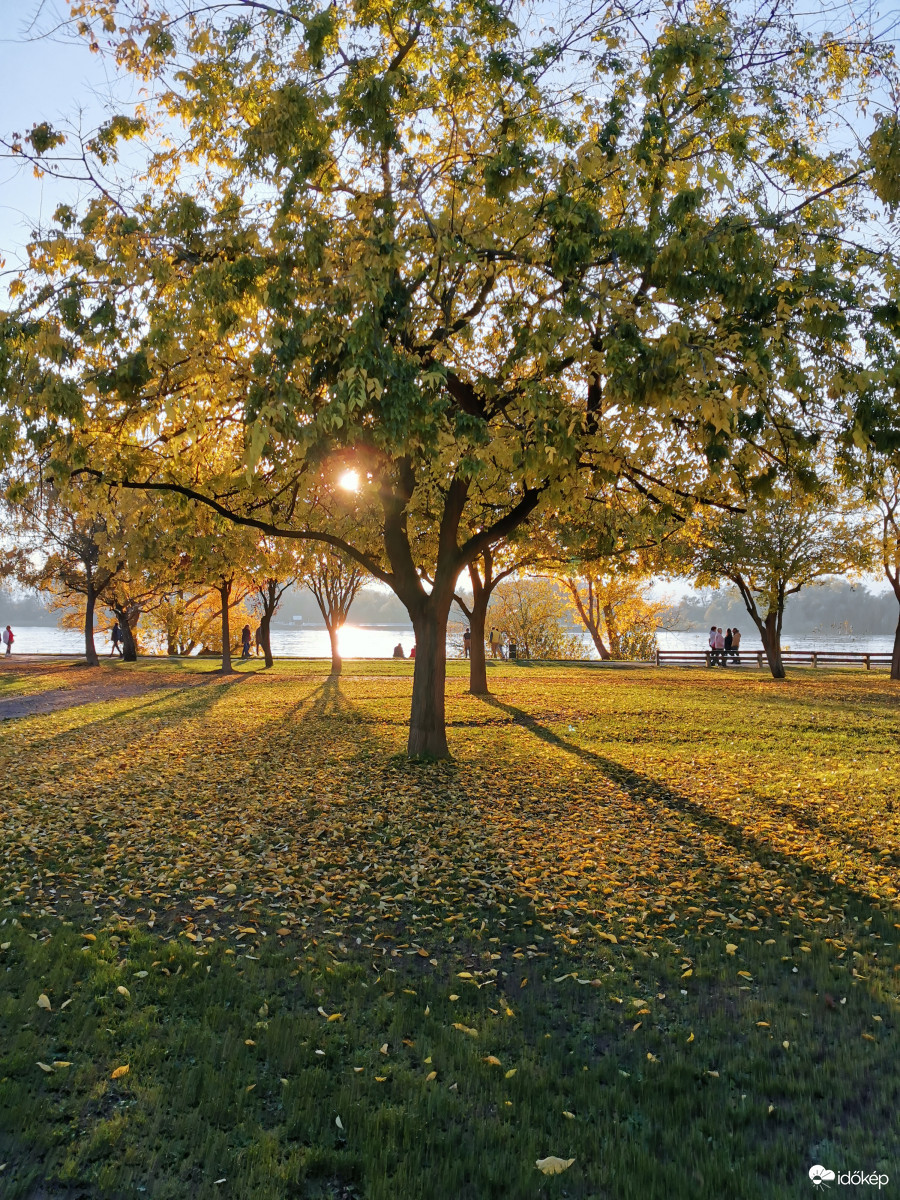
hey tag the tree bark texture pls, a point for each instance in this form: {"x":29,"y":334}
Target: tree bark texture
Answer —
{"x":224,"y":596}
{"x":427,"y":728}
{"x":895,"y":656}
{"x":90,"y":650}
{"x":336,"y":661}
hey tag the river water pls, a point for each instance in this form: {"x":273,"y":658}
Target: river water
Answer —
{"x":378,"y":641}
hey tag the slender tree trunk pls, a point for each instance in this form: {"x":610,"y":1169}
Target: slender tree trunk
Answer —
{"x":225,"y":596}
{"x":478,"y":684}
{"x":129,"y":645}
{"x":427,"y":731}
{"x":895,"y":657}
{"x":336,"y":662}
{"x":90,"y":650}
{"x":265,"y":636}
{"x":771,"y":640}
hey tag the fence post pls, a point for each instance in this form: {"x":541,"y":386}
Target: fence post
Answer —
{"x":868,"y":663}
{"x":657,"y":655}
{"x":759,"y":658}
{"x":815,"y":659}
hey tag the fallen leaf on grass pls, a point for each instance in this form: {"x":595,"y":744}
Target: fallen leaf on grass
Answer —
{"x":123,"y":991}
{"x":43,"y":1001}
{"x":553,"y":1165}
{"x":119,"y":1072}
{"x":44,"y":1067}
{"x":730,"y":948}
{"x":491,"y":1058}
{"x":432,"y":1075}
{"x":465,"y":1029}
{"x":509,"y":1074}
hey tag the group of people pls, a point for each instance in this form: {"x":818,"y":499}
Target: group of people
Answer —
{"x":495,"y":641}
{"x":722,"y":645}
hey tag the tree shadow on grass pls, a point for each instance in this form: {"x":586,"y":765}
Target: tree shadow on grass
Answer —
{"x":657,"y":796}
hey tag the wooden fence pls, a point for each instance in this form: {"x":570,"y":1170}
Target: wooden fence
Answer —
{"x":757,"y":657}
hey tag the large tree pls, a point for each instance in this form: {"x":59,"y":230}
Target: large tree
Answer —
{"x":781,"y":543}
{"x":458,"y":256}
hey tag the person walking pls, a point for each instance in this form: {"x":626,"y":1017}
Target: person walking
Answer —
{"x":467,"y":643}
{"x":736,"y":645}
{"x":8,"y":639}
{"x":258,"y":638}
{"x":494,"y":641}
{"x":115,"y":635}
{"x":245,"y":642}
{"x":720,"y":647}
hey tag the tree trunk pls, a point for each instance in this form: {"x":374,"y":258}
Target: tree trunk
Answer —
{"x":895,"y":657}
{"x":265,"y":636}
{"x":129,"y":645}
{"x":225,"y":596}
{"x":90,"y":650}
{"x":478,"y":685}
{"x":770,"y":632}
{"x":336,"y":663}
{"x":427,"y":732}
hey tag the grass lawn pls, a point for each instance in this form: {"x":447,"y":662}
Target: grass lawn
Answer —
{"x":645,"y":920}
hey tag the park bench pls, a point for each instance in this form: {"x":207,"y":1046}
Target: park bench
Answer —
{"x":757,"y":656}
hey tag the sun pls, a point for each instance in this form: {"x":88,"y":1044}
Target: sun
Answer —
{"x":349,"y":481}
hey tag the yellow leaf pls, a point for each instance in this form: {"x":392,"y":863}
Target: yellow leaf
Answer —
{"x":228,"y":890}
{"x":524,"y":982}
{"x":492,"y":1059}
{"x":427,"y":1010}
{"x":119,"y":1072}
{"x":465,"y":1029}
{"x":786,"y":1045}
{"x":691,"y":1038}
{"x":463,"y":975}
{"x":745,"y":975}
{"x":44,"y":1067}
{"x":89,"y":937}
{"x":569,"y":1116}
{"x":381,"y":1078}
{"x":730,"y":948}
{"x":59,"y":1063}
{"x":336,"y":1017}
{"x":384,"y":1048}
{"x":432,"y":1075}
{"x":688,"y":973}
{"x":249,"y":1087}
{"x":607,"y":937}
{"x":454,"y":997}
{"x":509,"y":1074}
{"x":359,"y":1070}
{"x":123,"y":991}
{"x":43,"y":1001}
{"x":5,"y":945}
{"x":553,"y":1165}
{"x":762,"y":1024}
{"x":249,"y":1042}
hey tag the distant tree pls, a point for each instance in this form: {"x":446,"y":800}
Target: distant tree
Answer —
{"x":533,"y":614}
{"x":334,"y":579}
{"x":617,"y":612}
{"x":780,"y":544}
{"x":491,"y":567}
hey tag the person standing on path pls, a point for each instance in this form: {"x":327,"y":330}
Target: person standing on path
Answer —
{"x":728,"y":636}
{"x":116,"y":638}
{"x":712,"y":646}
{"x":245,"y":642}
{"x":467,"y":643}
{"x":8,"y":639}
{"x":494,"y":641}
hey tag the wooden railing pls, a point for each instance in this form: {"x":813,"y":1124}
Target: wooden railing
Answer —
{"x":757,"y":657}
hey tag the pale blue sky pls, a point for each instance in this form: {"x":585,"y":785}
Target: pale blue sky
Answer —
{"x":49,"y":78}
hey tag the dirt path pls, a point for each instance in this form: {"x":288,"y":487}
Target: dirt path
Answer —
{"x":79,"y":685}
